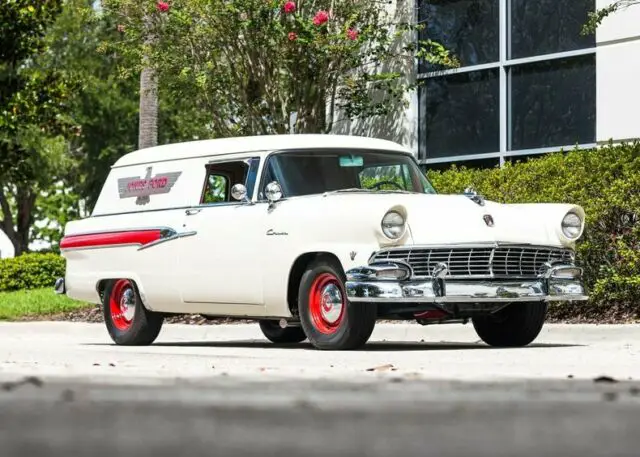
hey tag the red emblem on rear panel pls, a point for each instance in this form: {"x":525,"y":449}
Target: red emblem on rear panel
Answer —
{"x":142,"y":188}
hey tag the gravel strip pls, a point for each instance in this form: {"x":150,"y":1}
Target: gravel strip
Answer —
{"x":564,"y":314}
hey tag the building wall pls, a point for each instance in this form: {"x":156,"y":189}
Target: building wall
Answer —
{"x":401,"y":124}
{"x":6,"y":248}
{"x":612,"y":91}
{"x":504,"y":103}
{"x":618,"y":75}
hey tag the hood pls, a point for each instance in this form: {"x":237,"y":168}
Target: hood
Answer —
{"x":436,"y":219}
{"x":445,"y":219}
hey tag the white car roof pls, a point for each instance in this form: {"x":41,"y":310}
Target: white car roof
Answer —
{"x":202,"y":148}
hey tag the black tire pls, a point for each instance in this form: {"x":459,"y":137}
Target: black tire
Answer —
{"x":355,"y":323}
{"x":276,"y":334}
{"x":516,"y":325}
{"x":142,"y":329}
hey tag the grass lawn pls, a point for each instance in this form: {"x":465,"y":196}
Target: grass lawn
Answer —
{"x":14,"y":305}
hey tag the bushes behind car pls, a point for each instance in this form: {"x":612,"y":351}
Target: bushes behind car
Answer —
{"x":606,"y":182}
{"x":30,"y":271}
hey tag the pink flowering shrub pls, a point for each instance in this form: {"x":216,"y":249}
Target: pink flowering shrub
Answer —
{"x":320,"y":18}
{"x":251,"y":64}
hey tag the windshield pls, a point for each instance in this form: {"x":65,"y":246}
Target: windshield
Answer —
{"x":307,"y":173}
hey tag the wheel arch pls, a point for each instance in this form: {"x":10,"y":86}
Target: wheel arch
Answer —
{"x":297,"y":270}
{"x":101,"y":286}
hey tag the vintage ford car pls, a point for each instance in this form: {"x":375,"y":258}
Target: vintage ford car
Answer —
{"x":317,"y":237}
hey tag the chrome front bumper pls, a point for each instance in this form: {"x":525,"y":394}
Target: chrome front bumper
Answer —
{"x":391,"y":282}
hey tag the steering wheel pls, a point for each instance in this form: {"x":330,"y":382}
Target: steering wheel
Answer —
{"x":380,"y":183}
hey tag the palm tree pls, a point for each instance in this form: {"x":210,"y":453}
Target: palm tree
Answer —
{"x":148,"y":123}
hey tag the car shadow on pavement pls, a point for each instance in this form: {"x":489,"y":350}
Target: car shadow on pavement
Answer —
{"x":372,"y":346}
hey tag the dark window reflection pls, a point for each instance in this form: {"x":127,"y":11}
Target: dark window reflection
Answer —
{"x":468,"y":28}
{"x":548,"y":26}
{"x":553,"y":103}
{"x":461,"y":114}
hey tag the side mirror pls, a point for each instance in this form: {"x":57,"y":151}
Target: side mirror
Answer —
{"x":273,"y":192}
{"x":239,"y":192}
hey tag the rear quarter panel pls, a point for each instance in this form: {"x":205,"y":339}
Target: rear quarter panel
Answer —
{"x":152,"y":268}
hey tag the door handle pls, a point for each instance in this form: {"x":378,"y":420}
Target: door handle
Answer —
{"x":192,"y":211}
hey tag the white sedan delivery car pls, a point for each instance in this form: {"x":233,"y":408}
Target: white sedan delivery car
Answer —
{"x":317,"y":237}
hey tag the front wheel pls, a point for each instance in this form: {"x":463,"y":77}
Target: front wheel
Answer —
{"x":514,"y":326}
{"x":329,"y":320}
{"x":128,"y":322}
{"x":276,"y":334}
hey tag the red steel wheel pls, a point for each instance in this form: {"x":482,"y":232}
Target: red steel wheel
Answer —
{"x":327,"y":303}
{"x":122,"y":304}
{"x":328,"y":318}
{"x":127,"y":320}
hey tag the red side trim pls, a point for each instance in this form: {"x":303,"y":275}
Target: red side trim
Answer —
{"x":96,"y":240}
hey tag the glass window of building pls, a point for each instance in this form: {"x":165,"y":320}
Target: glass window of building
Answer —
{"x":526,"y":82}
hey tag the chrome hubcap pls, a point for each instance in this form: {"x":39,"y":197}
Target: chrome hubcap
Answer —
{"x":331,"y":303}
{"x":127,"y":304}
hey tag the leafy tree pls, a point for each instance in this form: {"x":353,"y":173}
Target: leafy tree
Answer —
{"x":251,"y":64}
{"x":32,"y":115}
{"x":69,"y":118}
{"x":105,"y":109}
{"x":597,"y":17}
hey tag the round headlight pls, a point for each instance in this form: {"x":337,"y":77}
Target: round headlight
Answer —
{"x":571,"y":225}
{"x":393,"y":225}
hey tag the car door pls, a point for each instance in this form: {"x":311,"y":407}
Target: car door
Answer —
{"x":218,"y":260}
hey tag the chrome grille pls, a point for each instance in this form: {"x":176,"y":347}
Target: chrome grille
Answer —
{"x":480,"y":262}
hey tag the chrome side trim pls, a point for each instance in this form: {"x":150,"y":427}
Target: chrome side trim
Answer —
{"x":166,"y":234}
{"x":91,"y":248}
{"x":122,"y":230}
{"x":175,"y":236}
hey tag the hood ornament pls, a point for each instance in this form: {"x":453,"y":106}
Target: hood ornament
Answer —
{"x":488,"y":219}
{"x":474,"y":196}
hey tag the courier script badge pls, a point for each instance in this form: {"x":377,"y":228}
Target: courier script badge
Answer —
{"x":142,"y":188}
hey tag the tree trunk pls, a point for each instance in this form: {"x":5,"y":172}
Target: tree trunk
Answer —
{"x":148,"y":127}
{"x":148,"y":123}
{"x":314,"y":117}
{"x":18,"y":233}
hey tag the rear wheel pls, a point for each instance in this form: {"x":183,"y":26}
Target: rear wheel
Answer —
{"x":276,"y":334}
{"x":514,"y":326}
{"x":128,"y":322}
{"x":329,"y":320}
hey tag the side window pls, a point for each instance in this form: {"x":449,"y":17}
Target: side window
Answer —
{"x":221,"y":177}
{"x":217,"y":189}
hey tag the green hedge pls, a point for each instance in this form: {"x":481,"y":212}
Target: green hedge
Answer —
{"x":30,"y":271}
{"x":606,"y":182}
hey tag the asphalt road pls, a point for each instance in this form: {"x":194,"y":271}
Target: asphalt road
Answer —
{"x":222,"y":390}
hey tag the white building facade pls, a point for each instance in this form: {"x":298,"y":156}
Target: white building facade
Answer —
{"x":528,"y":82}
{"x":6,"y":247}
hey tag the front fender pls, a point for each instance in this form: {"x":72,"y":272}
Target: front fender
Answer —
{"x":276,"y":277}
